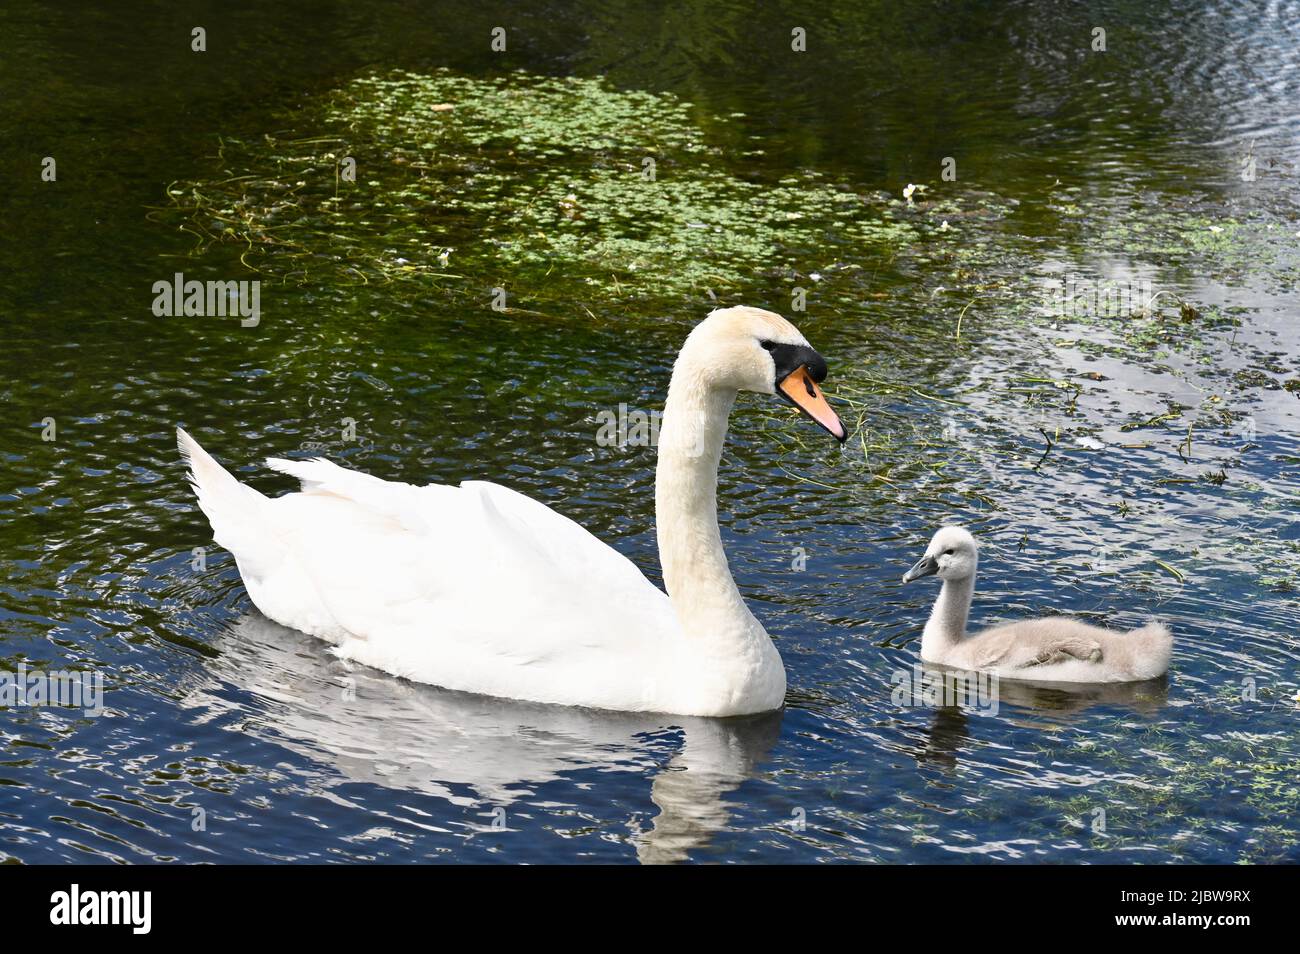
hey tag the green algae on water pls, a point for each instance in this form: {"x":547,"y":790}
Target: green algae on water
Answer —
{"x":605,"y":194}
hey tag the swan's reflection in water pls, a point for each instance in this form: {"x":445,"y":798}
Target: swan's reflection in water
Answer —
{"x":377,"y":729}
{"x":1041,"y":704}
{"x":1064,"y":701}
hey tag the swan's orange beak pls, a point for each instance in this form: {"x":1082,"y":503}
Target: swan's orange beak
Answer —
{"x":802,"y":391}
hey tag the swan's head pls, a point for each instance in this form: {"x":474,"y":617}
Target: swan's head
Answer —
{"x":952,"y":555}
{"x":749,"y":349}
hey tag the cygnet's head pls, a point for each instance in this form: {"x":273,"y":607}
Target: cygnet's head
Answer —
{"x":952,"y":555}
{"x":750,"y":349}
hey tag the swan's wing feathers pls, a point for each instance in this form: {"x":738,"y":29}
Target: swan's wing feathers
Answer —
{"x":478,"y":518}
{"x":394,"y":500}
{"x":991,"y":648}
{"x":463,"y":578}
{"x":311,"y":473}
{"x":1065,"y":648}
{"x":522,"y":521}
{"x":1033,"y":643}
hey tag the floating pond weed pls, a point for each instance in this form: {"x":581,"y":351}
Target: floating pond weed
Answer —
{"x":527,"y":176}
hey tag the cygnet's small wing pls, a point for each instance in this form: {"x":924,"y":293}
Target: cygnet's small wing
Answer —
{"x":1064,"y":648}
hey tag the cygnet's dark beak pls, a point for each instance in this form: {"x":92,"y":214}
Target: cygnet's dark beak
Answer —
{"x":926,"y":566}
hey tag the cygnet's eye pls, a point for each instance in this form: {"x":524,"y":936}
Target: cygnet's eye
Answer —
{"x":949,"y":552}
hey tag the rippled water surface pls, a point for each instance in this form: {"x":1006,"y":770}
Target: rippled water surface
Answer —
{"x":1130,"y":454}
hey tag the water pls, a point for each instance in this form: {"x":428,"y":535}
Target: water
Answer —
{"x":1116,"y":465}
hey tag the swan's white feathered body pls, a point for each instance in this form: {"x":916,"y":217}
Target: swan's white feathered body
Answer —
{"x":482,"y":589}
{"x":1050,"y":649}
{"x":474,"y":587}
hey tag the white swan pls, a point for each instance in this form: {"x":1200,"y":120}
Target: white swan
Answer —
{"x":481,"y":589}
{"x":1052,"y":649}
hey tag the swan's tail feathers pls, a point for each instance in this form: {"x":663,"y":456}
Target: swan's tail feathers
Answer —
{"x":1151,"y":657}
{"x":211,"y":482}
{"x":236,"y":511}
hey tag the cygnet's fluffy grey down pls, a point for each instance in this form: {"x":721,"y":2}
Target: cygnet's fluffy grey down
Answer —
{"x":1052,"y":649}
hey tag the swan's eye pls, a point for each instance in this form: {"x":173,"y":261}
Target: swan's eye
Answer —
{"x":949,"y":552}
{"x":767,"y":345}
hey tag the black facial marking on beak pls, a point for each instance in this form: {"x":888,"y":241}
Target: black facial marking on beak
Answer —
{"x":789,"y":358}
{"x":926,"y":566}
{"x":798,"y":371}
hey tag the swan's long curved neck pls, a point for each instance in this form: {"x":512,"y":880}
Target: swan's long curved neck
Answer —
{"x":947,"y":624}
{"x":696,"y":574}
